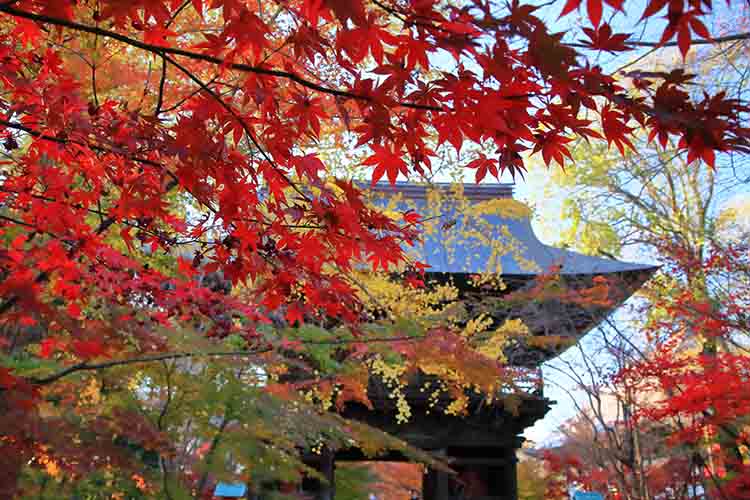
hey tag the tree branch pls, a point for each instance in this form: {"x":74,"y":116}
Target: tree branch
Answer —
{"x":101,"y":228}
{"x":239,"y":119}
{"x":702,"y":41}
{"x":159,"y":50}
{"x":162,"y":81}
{"x":85,"y":366}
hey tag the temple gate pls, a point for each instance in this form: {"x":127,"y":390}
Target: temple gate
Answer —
{"x":470,"y":222}
{"x":481,"y":448}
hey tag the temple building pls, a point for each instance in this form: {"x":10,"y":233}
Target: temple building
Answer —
{"x":473,"y":230}
{"x":473,"y":233}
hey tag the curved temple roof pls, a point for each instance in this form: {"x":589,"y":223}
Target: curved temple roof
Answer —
{"x":471,"y":229}
{"x":474,"y":228}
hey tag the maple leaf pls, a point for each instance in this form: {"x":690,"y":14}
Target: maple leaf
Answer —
{"x":387,"y":162}
{"x":308,"y":166}
{"x":570,"y":6}
{"x":412,"y":51}
{"x":309,"y":111}
{"x":615,"y":129}
{"x":683,"y":24}
{"x":698,"y":149}
{"x":593,"y":7}
{"x":295,"y":314}
{"x":27,"y":31}
{"x":246,"y":31}
{"x":603,"y":39}
{"x":411,"y":217}
{"x":653,"y":7}
{"x":49,"y":346}
{"x":346,"y":10}
{"x":511,"y":161}
{"x":186,"y":266}
{"x":384,"y":257}
{"x":158,"y":35}
{"x":482,"y":166}
{"x":549,"y":54}
{"x":552,"y":146}
{"x":60,"y":9}
{"x":88,"y":349}
{"x":368,"y":37}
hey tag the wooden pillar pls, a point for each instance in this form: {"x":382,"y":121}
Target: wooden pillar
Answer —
{"x":321,"y":490}
{"x":436,"y":485}
{"x":502,"y":478}
{"x":511,"y":474}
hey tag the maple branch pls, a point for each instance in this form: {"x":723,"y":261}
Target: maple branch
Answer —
{"x":101,"y":228}
{"x":159,"y":50}
{"x":94,"y":92}
{"x":174,"y":182}
{"x":162,"y":82}
{"x":402,"y":16}
{"x":85,"y":366}
{"x":177,"y":12}
{"x":103,"y":213}
{"x":192,"y":94}
{"x":93,"y":147}
{"x":374,"y":340}
{"x":168,"y":401}
{"x":702,"y":41}
{"x":18,"y":222}
{"x":239,"y":119}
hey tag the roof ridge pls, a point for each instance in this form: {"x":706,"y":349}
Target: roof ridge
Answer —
{"x":472,"y":191}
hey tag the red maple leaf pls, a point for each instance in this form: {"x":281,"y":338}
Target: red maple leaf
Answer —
{"x":593,"y":7}
{"x":482,"y":166}
{"x":683,"y":24}
{"x":88,"y":349}
{"x":603,"y":39}
{"x":387,"y":162}
{"x":552,"y":146}
{"x":309,"y":112}
{"x":308,"y":166}
{"x":158,"y":35}
{"x":49,"y":346}
{"x":615,"y":129}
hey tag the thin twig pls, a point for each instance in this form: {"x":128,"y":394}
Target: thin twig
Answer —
{"x":238,"y":118}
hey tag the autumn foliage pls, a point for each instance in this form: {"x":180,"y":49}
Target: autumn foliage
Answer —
{"x":700,"y":367}
{"x":686,"y":394}
{"x":152,"y":145}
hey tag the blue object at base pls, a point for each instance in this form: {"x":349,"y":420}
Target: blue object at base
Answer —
{"x":230,"y":490}
{"x":587,"y":495}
